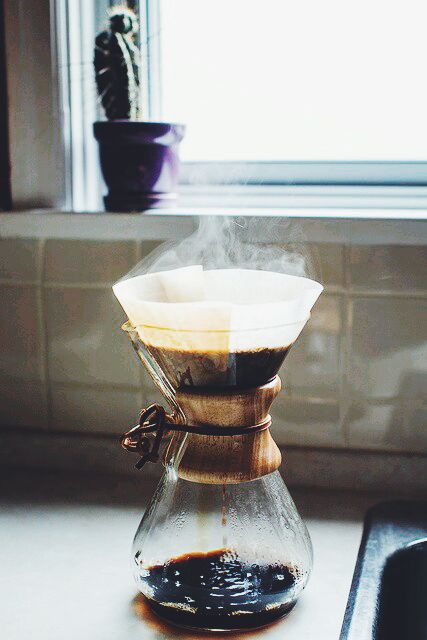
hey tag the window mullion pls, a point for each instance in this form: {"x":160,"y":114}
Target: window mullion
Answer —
{"x":151,"y":59}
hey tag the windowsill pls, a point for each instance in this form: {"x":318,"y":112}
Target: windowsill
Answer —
{"x":350,"y":215}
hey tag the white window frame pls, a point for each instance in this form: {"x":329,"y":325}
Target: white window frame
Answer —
{"x":307,"y":173}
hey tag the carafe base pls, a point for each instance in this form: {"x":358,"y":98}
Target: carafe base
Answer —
{"x":220,"y":623}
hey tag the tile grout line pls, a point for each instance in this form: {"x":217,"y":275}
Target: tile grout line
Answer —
{"x":6,"y":282}
{"x":346,"y":343}
{"x":326,"y":400}
{"x":100,"y":386}
{"x":101,"y":286}
{"x":343,"y":368}
{"x":330,"y":289}
{"x":343,"y":343}
{"x":399,"y":295}
{"x":138,"y":258}
{"x":41,"y":326}
{"x":46,"y":338}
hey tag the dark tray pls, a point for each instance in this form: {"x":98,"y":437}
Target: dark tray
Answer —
{"x":388,"y":595}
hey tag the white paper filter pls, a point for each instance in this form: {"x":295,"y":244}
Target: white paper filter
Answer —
{"x":220,"y":309}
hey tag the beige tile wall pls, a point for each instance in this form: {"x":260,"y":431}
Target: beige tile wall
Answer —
{"x":356,"y":378}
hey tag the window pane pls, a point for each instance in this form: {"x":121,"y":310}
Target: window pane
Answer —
{"x":296,"y":80}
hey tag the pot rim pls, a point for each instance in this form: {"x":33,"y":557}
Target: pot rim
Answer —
{"x":138,"y":131}
{"x":142,"y":122}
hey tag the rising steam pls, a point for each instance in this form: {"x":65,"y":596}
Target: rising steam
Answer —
{"x":221,"y":289}
{"x":225,"y":243}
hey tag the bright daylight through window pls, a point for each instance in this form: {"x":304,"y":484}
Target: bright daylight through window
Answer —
{"x":296,"y":80}
{"x":267,"y":92}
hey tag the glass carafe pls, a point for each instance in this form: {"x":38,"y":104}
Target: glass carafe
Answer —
{"x":230,"y":551}
{"x":221,"y":557}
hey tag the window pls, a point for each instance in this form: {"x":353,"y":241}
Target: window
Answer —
{"x":289,"y":91}
{"x":276,"y":92}
{"x":295,"y":80}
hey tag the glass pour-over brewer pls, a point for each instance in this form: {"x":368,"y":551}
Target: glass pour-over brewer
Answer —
{"x":221,"y":545}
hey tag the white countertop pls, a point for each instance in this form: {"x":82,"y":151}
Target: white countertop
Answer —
{"x":65,"y":561}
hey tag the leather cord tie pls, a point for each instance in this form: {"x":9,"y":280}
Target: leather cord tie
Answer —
{"x":154,"y":419}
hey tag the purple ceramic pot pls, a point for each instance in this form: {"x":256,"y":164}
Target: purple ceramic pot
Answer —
{"x":139,"y":162}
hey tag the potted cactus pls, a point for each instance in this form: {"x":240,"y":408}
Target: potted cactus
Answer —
{"x":139,"y":160}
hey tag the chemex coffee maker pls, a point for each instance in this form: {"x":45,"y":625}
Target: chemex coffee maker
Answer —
{"x":221,"y":546}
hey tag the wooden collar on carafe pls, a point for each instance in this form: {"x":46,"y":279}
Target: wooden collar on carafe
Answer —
{"x":217,"y":459}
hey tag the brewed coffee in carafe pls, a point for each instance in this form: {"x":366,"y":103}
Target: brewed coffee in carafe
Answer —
{"x":221,"y":545}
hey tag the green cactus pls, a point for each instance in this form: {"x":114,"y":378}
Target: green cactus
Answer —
{"x":116,"y":62}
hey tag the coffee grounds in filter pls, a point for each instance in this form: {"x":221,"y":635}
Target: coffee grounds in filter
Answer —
{"x":238,"y":369}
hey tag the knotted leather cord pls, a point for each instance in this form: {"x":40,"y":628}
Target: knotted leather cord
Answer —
{"x":155,"y":420}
